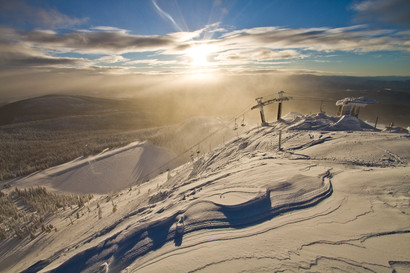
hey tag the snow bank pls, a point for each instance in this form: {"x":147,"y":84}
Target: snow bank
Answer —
{"x":294,"y":121}
{"x":349,"y":123}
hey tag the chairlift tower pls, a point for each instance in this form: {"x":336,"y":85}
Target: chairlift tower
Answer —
{"x":261,"y":104}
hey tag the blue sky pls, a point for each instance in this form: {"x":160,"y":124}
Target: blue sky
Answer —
{"x":336,"y":37}
{"x":141,"y":17}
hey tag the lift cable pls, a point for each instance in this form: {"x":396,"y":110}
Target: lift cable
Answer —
{"x":242,"y":113}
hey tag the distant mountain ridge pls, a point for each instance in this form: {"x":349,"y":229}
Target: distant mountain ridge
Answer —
{"x":56,"y":106}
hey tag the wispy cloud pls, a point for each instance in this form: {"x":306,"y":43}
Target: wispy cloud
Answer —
{"x":264,"y":46}
{"x":14,"y":55}
{"x":21,"y":13}
{"x":107,"y":29}
{"x":396,"y":12}
{"x":90,"y":41}
{"x":244,"y":56}
{"x":111,"y":59}
{"x":315,"y":39}
{"x":166,"y":16}
{"x":154,"y":62}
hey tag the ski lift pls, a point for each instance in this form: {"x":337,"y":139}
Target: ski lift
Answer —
{"x":243,"y":121}
{"x":236,"y":126}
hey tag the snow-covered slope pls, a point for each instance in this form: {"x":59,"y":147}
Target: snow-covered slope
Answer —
{"x":111,"y":170}
{"x":335,"y":198}
{"x":295,"y":121}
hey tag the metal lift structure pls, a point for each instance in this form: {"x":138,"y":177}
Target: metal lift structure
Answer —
{"x":261,"y":104}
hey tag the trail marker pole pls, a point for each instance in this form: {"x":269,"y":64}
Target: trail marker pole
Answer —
{"x":375,"y":124}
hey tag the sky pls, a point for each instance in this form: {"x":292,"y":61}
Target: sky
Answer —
{"x":86,"y":40}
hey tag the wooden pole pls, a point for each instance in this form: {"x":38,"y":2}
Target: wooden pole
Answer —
{"x":280,"y":94}
{"x":262,"y":115}
{"x":280,"y":139}
{"x":279,"y":110}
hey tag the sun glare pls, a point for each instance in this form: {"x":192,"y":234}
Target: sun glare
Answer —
{"x":198,"y":55}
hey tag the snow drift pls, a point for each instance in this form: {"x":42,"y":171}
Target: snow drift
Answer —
{"x":295,"y":121}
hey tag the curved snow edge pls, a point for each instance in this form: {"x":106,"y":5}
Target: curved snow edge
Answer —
{"x":84,"y":161}
{"x":123,"y":248}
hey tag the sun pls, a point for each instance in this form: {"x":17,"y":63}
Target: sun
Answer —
{"x":198,"y":55}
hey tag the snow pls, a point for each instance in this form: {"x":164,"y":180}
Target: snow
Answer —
{"x":359,"y":100}
{"x":335,"y":198}
{"x":399,"y":130}
{"x":109,"y":171}
{"x":324,"y":122}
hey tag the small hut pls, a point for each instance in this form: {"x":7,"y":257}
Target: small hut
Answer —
{"x":351,"y":106}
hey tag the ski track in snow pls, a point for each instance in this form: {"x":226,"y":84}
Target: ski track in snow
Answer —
{"x":335,"y":198}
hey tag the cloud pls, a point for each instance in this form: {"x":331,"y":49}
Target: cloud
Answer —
{"x":14,"y":55}
{"x":111,"y":59}
{"x":109,"y":29}
{"x":265,"y":43}
{"x":166,"y":16}
{"x":315,"y":39}
{"x":265,"y":54}
{"x":103,"y":42}
{"x":21,"y":13}
{"x":244,"y":56}
{"x":255,"y":47}
{"x":155,"y":62}
{"x":396,"y":12}
{"x":43,"y":61}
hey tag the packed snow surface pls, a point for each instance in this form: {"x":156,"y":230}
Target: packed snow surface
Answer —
{"x":111,"y":170}
{"x":334,"y":198}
